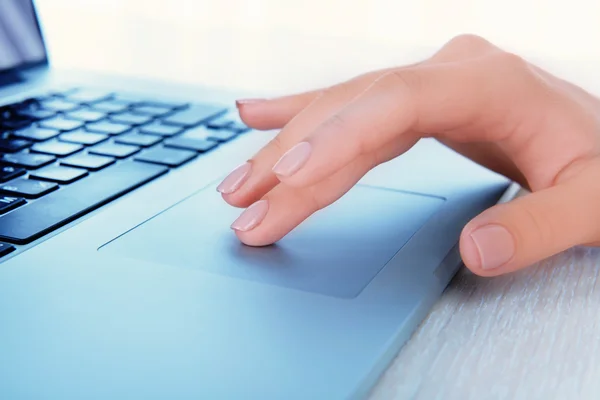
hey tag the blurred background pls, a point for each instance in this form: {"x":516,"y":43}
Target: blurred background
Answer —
{"x":276,"y":46}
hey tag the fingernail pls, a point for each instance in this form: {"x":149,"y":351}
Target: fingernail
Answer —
{"x":495,"y":245}
{"x":242,"y":102}
{"x":251,"y":217}
{"x":293,"y":159}
{"x":235,"y":179}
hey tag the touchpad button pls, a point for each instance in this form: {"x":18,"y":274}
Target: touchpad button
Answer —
{"x":336,"y":252}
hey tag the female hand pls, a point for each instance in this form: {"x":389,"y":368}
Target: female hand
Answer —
{"x":490,"y":105}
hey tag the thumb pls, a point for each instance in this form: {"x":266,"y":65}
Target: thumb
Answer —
{"x":514,"y":235}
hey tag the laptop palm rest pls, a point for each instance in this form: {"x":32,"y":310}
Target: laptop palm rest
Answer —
{"x":336,"y":252}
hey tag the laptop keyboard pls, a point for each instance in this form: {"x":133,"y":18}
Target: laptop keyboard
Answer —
{"x":68,"y":153}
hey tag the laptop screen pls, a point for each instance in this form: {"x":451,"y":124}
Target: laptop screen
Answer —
{"x":21,"y":42}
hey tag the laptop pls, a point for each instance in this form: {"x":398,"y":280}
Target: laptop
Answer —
{"x":120,"y":277}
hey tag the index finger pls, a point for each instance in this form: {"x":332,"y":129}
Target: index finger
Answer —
{"x":427,"y":100}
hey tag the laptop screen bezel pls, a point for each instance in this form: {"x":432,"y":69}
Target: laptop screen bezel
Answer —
{"x":29,"y":65}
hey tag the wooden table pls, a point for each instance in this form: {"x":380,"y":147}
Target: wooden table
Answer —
{"x":531,"y":335}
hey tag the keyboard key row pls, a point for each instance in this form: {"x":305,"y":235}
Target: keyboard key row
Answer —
{"x":35,"y":219}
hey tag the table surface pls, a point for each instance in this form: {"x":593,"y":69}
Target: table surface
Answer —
{"x":533,"y":334}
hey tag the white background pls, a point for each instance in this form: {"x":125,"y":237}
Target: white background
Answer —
{"x":282,"y":45}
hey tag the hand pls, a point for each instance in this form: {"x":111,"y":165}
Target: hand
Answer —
{"x":490,"y":105}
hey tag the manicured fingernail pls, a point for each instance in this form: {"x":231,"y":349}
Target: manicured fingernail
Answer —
{"x":495,"y":245}
{"x":293,"y":159}
{"x":235,"y":179}
{"x":251,"y":217}
{"x":243,"y":102}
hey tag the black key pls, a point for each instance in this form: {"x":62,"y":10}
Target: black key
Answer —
{"x":86,"y":115}
{"x":83,"y":137}
{"x":36,"y":133}
{"x":27,"y":188}
{"x":59,"y":174}
{"x":130,"y":118}
{"x":26,"y":160}
{"x":114,"y":150}
{"x":88,"y":96}
{"x":88,"y":161}
{"x":107,"y":127}
{"x":36,"y":113}
{"x":61,"y":124}
{"x":156,"y":128}
{"x":110,"y":106}
{"x":193,"y":115}
{"x":183,"y":142}
{"x":13,"y":145}
{"x":29,"y":222}
{"x":169,"y":157}
{"x":7,"y":173}
{"x":5,"y":249}
{"x":154,"y":111}
{"x":57,"y":104}
{"x":138,"y":139}
{"x":8,"y":203}
{"x":56,"y":148}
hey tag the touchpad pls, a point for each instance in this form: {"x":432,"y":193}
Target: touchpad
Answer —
{"x":336,"y":252}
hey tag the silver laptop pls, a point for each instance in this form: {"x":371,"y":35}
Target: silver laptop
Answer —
{"x":120,"y":277}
